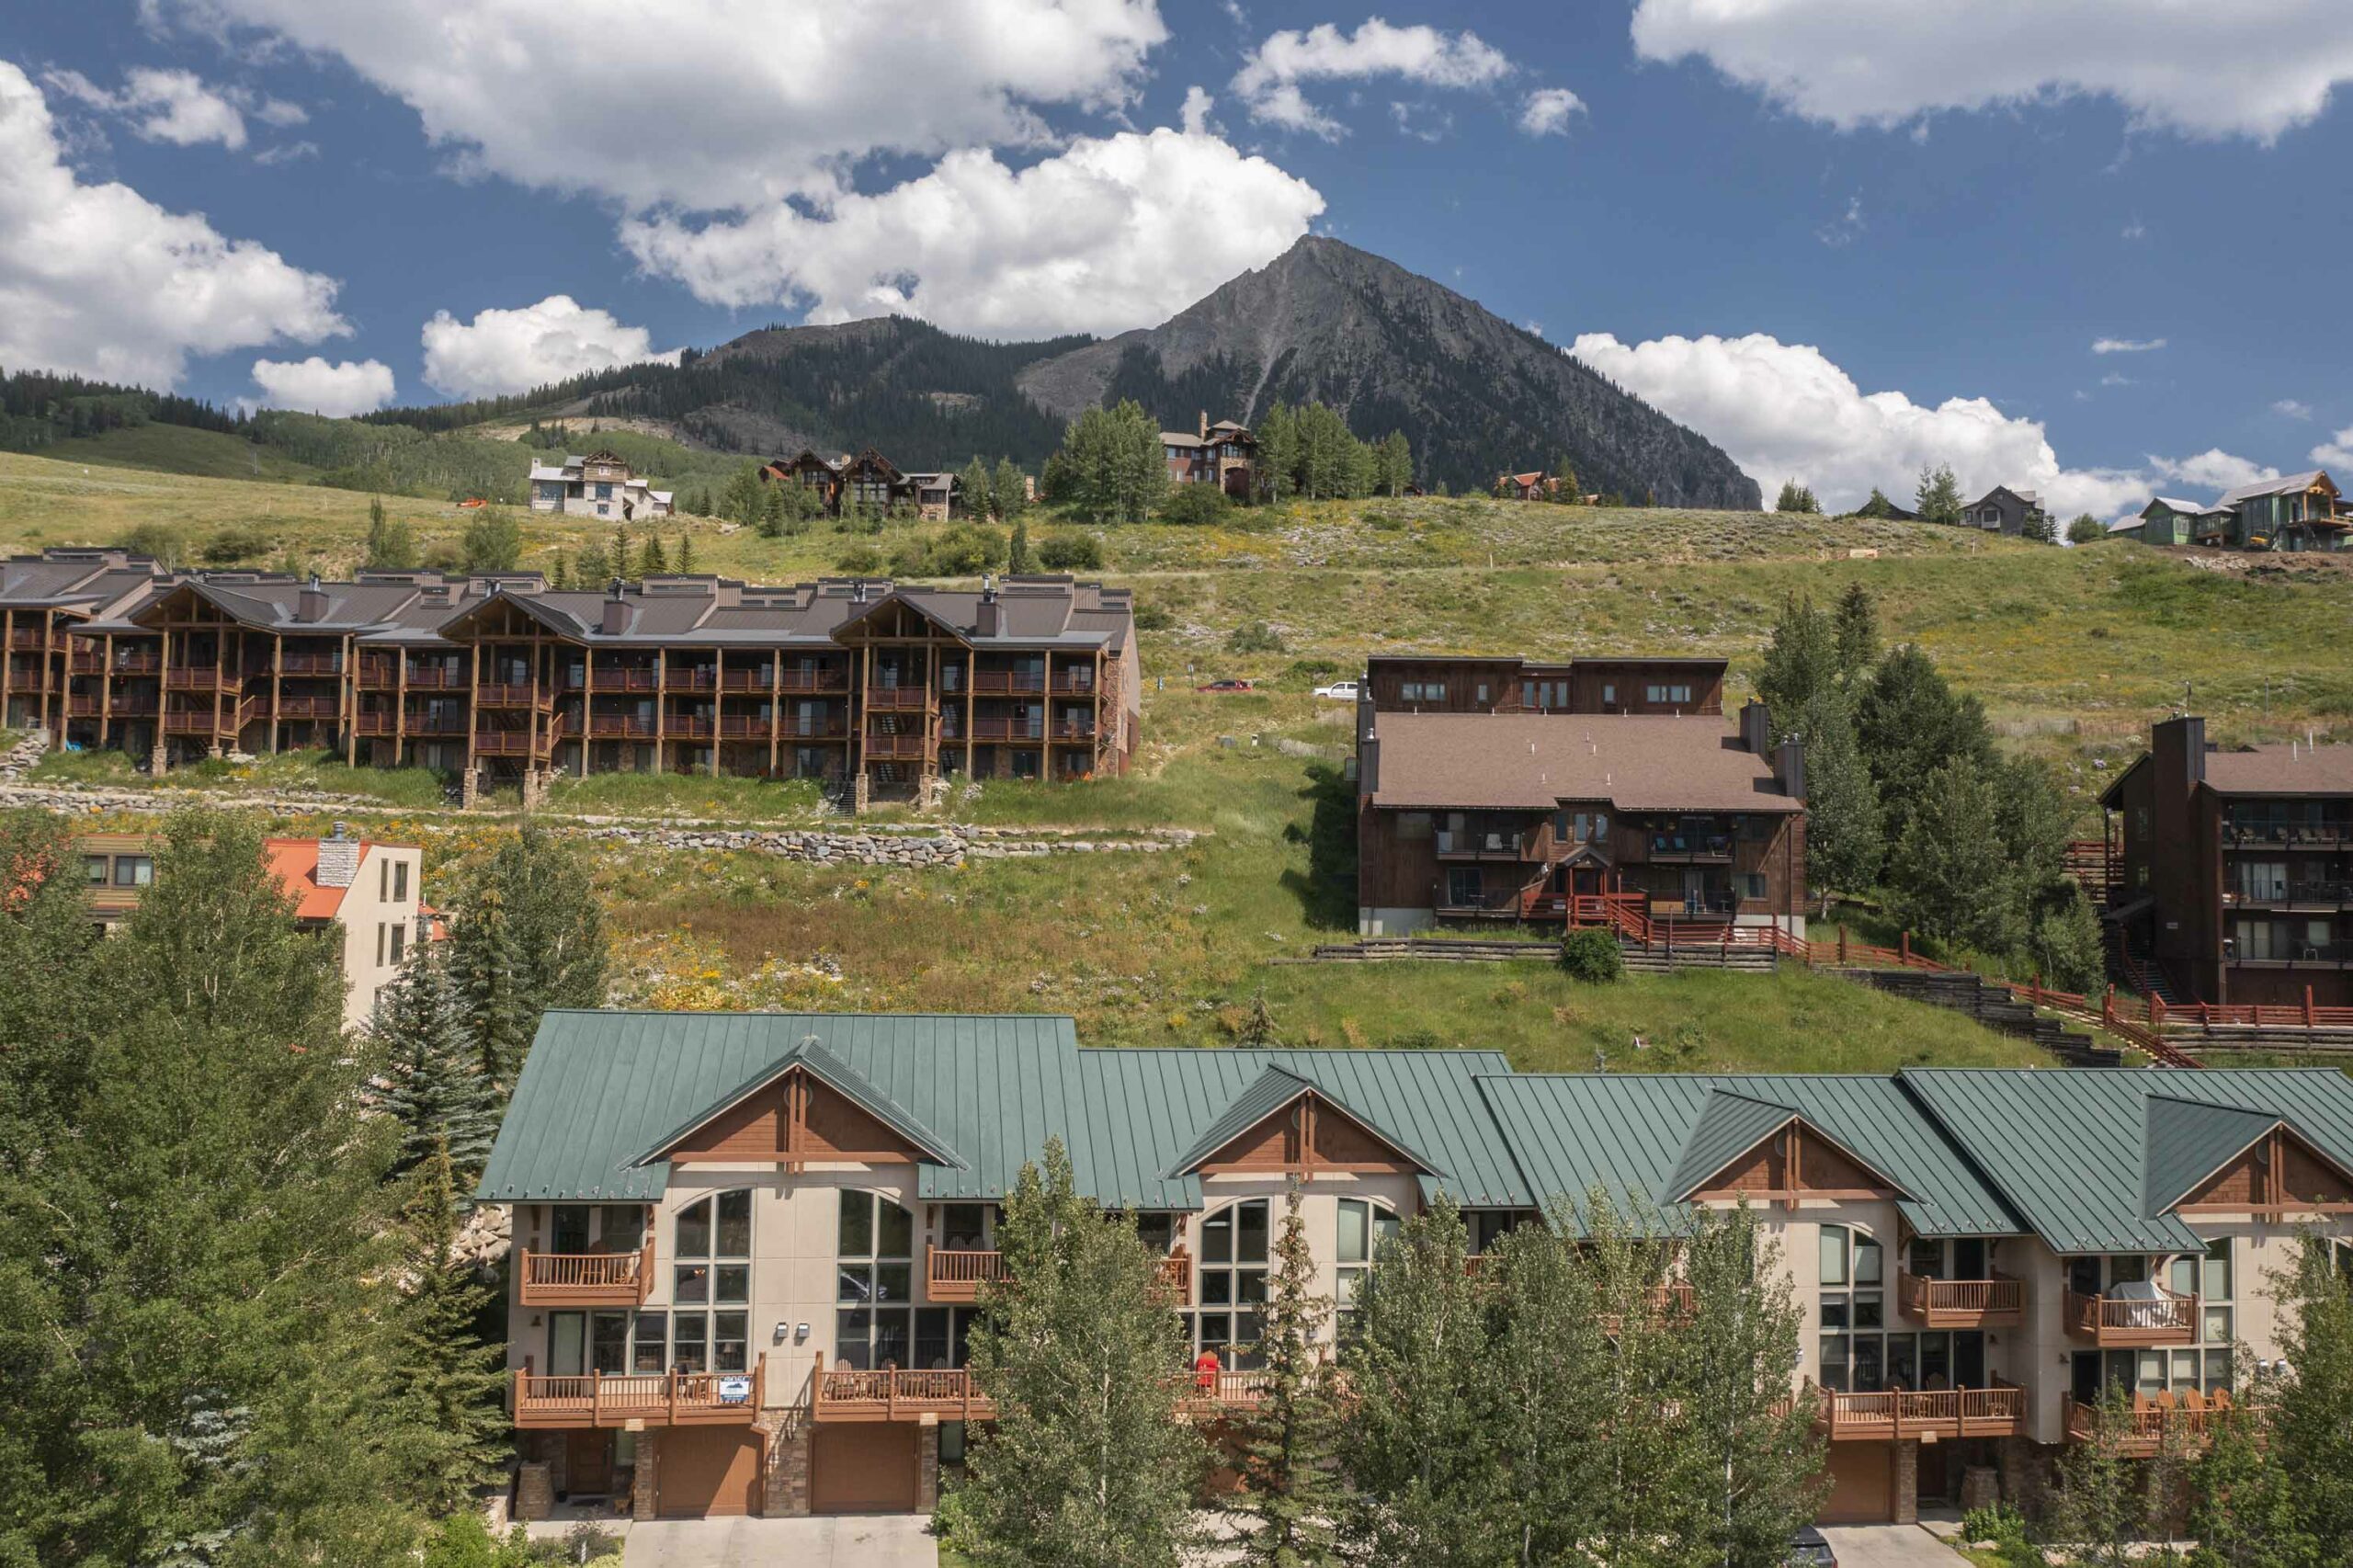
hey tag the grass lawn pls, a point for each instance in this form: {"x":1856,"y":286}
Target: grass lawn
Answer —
{"x":417,"y":789}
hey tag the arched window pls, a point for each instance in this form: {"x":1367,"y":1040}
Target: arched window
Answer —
{"x":1365,"y":1224}
{"x":875,"y":1266}
{"x":1231,"y":1277}
{"x":710,"y":1284}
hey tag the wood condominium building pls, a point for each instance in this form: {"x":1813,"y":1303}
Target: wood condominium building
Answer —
{"x":871,"y":687}
{"x":747,"y":1248}
{"x":2236,"y":874}
{"x":1593,"y":792}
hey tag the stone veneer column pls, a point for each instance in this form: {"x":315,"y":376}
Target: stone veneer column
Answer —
{"x":785,"y":1483}
{"x":1907,"y":1483}
{"x":927,"y":1465}
{"x":646,"y":1477}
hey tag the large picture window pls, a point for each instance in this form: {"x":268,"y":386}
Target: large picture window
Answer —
{"x":1232,"y":1280}
{"x":1365,"y":1225}
{"x":875,"y":1267}
{"x":710,"y":1284}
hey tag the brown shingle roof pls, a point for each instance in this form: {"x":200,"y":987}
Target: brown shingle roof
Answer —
{"x":1531,"y":762}
{"x":2281,"y":770}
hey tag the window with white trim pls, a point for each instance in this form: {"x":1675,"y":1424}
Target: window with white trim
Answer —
{"x":1366,"y":1225}
{"x":710,"y":1284}
{"x":876,"y":1289}
{"x":1231,"y":1280}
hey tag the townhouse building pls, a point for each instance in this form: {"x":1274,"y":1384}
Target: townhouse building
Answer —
{"x":747,"y":1249}
{"x":2295,"y":512}
{"x":364,"y":895}
{"x":1603,"y":791}
{"x":601,"y":484}
{"x":2235,"y":874}
{"x":867,"y":482}
{"x":872,"y":687}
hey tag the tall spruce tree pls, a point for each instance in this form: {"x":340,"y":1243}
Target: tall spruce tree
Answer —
{"x":977,"y":491}
{"x":1910,"y":722}
{"x":1086,"y":1465}
{"x":1420,"y":1450}
{"x":1951,"y":876}
{"x":653,"y":560}
{"x":1288,"y":1442}
{"x":434,"y":1084}
{"x":447,"y":1379}
{"x":1800,"y":660}
{"x":1016,"y":553}
{"x":530,"y":934}
{"x":488,"y":959}
{"x":1938,"y":497}
{"x":685,"y":555}
{"x":1855,"y":632}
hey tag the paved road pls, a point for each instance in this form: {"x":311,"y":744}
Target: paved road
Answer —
{"x":888,"y":1540}
{"x":1880,"y":1546}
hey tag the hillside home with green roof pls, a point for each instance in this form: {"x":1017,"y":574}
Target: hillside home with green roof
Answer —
{"x":747,"y":1248}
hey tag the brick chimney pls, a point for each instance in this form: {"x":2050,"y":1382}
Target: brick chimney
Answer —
{"x":338,"y":859}
{"x":986,"y":615}
{"x":617,"y":612}
{"x":1755,"y":727}
{"x":312,"y":605}
{"x":1789,"y":766}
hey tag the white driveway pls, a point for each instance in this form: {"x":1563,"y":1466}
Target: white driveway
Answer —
{"x":880,"y":1540}
{"x":1878,"y":1546}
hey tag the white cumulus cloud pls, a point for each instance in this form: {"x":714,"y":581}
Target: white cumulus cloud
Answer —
{"x":2255,"y":68}
{"x":1785,"y":410}
{"x":2214,"y":468}
{"x":2291,"y":408}
{"x":511,"y":351}
{"x":2127,"y":345}
{"x":2337,"y":451}
{"x":1270,"y":80}
{"x":316,"y":386}
{"x":714,"y":104}
{"x":98,"y":279}
{"x":1112,"y":232}
{"x":177,"y":106}
{"x":1546,"y":111}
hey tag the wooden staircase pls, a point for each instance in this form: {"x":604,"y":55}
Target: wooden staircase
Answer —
{"x":1990,"y":1004}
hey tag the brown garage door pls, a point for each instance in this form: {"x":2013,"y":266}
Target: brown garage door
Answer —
{"x":864,"y":1467}
{"x":1862,"y":1480}
{"x":702,"y":1470}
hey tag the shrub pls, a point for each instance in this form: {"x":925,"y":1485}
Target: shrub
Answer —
{"x":861,"y":561}
{"x":156,"y":539}
{"x":1152,"y":617}
{"x":1070,"y":551}
{"x":1195,"y":506}
{"x":1255,"y":637}
{"x":235,"y":544}
{"x":1591,"y":954}
{"x":960,"y":550}
{"x":1306,"y":675}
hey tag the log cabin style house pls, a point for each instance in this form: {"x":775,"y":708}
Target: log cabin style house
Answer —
{"x":747,"y":1249}
{"x":1601,"y":792}
{"x":2234,"y":876}
{"x":875,"y":689}
{"x":867,"y":482}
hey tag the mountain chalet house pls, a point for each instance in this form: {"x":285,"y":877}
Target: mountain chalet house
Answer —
{"x":867,"y":482}
{"x":1505,"y":788}
{"x":875,"y":688}
{"x":747,"y":1247}
{"x":1223,"y":454}
{"x":2296,"y":512}
{"x":598,"y":485}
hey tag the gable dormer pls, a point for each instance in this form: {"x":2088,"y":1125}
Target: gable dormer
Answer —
{"x":808,"y":1108}
{"x":1745,"y":1148}
{"x":2209,"y":1159}
{"x":1284,"y":1124}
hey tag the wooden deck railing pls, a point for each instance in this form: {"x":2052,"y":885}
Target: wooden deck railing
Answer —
{"x":957,"y":1274}
{"x":2187,"y":1418}
{"x":2248,"y":1014}
{"x":655,"y":1399}
{"x":586,"y":1278}
{"x":2167,"y":1319}
{"x":1996,"y":1411}
{"x":1961,"y":1303}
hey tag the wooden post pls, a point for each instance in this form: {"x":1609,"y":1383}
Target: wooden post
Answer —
{"x":718,"y":706}
{"x":596,"y":1392}
{"x":776,"y":708}
{"x":2308,"y":1006}
{"x":2156,"y":1013}
{"x":661,"y":709}
{"x":473,"y":703}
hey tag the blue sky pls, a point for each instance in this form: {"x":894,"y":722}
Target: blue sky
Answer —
{"x":1841,"y":237}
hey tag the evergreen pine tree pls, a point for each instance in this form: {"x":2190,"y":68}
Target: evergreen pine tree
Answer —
{"x":1258,"y":1029}
{"x":529,"y":936}
{"x":623,"y":561}
{"x":489,"y":963}
{"x":1800,"y":660}
{"x":976,"y":492}
{"x":686,"y":554}
{"x":1844,"y":845}
{"x":1878,"y":505}
{"x":1420,"y":1447}
{"x":1856,"y":635}
{"x":447,"y":1381}
{"x":1287,"y":1442}
{"x":1087,"y":1465}
{"x":1938,"y":498}
{"x":560,"y":579}
{"x":433,"y":1083}
{"x":653,"y":560}
{"x":1950,"y":878}
{"x":1910,"y":722}
{"x":1017,"y":557}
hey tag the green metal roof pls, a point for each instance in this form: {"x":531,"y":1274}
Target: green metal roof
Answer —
{"x":2069,"y":1150}
{"x":1268,"y":1093}
{"x":835,"y":1074}
{"x":600,"y":1089}
{"x":1630,"y":1135}
{"x":2187,"y":1140}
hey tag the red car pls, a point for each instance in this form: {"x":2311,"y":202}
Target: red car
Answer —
{"x":1224,"y":686}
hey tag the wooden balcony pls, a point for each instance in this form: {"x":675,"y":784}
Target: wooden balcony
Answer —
{"x":2113,"y":1322}
{"x":1008,"y":683}
{"x":691,"y":726}
{"x":1478,"y":845}
{"x":988,"y":729}
{"x":586,"y":1278}
{"x":745,"y":680}
{"x":950,"y":1394}
{"x":196,"y":677}
{"x":506,"y":743}
{"x":652,"y":1399}
{"x":145,"y":662}
{"x":379,"y":673}
{"x":897,"y":699}
{"x":955,"y":1275}
{"x":309,"y":664}
{"x":310,"y":707}
{"x":690,"y":677}
{"x":436,"y":677}
{"x":234,"y":716}
{"x":375,"y":724}
{"x":2150,"y":1424}
{"x":86,"y":662}
{"x":808,"y":683}
{"x":511,"y":694}
{"x":1962,"y":1303}
{"x":620,"y":680}
{"x":28,"y":637}
{"x":620,"y":726}
{"x":896,"y":748}
{"x":1996,"y":1411}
